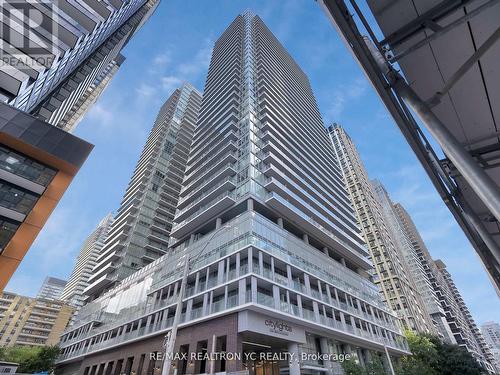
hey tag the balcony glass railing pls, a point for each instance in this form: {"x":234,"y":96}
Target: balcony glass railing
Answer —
{"x":204,"y":194}
{"x":318,"y":225}
{"x":202,"y":208}
{"x":264,"y":299}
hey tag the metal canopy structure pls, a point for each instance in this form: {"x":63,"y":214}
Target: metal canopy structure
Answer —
{"x":440,"y":59}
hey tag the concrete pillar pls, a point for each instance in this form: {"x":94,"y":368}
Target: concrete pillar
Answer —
{"x":316,"y":311}
{"x":307,"y":283}
{"x":342,"y":319}
{"x":176,"y":288}
{"x":289,"y":275}
{"x":205,"y":304}
{"x":213,"y":350}
{"x":276,"y":297}
{"x":250,"y":259}
{"x":320,"y":290}
{"x":342,"y":261}
{"x":389,"y":361}
{"x":253,"y":281}
{"x":305,"y":238}
{"x":192,"y":238}
{"x":196,"y":282}
{"x":323,"y":342}
{"x":293,"y":349}
{"x":359,"y":353}
{"x":299,"y":305}
{"x":250,"y":205}
{"x":148,"y":324}
{"x":220,"y":272}
{"x":210,"y":301}
{"x":261,"y":263}
{"x":218,"y":223}
{"x":280,"y":222}
{"x":328,"y":293}
{"x":225,"y":297}
{"x":238,"y":264}
{"x":325,"y":251}
{"x":189,"y":307}
{"x":242,"y":291}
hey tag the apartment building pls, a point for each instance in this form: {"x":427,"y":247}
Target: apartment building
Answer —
{"x":274,"y":260}
{"x":31,"y":321}
{"x":141,"y":230}
{"x":392,"y":273}
{"x":491,"y":334}
{"x":56,"y":53}
{"x":51,"y":288}
{"x":56,"y":58}
{"x":460,"y":320}
{"x":73,"y":292}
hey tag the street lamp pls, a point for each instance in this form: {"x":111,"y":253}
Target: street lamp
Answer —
{"x":171,"y":336}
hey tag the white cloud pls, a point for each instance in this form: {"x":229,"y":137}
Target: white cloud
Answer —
{"x":162,"y":60}
{"x":199,"y":63}
{"x":187,"y":71}
{"x":146,"y":91}
{"x":170,"y":83}
{"x":100,"y":114}
{"x":344,"y":95}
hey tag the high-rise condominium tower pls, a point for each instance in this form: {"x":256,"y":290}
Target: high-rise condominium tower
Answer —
{"x":86,"y":261}
{"x":55,"y":53}
{"x":56,"y":57}
{"x":264,"y":221}
{"x":392,"y":272}
{"x":51,"y":288}
{"x":415,"y":266}
{"x":433,"y":301}
{"x":141,"y":230}
{"x":491,"y":334}
{"x":461,"y":322}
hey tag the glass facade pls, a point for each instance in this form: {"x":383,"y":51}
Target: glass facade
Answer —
{"x":94,"y":34}
{"x":141,"y":229}
{"x":17,"y":199}
{"x":7,"y":230}
{"x":263,"y":218}
{"x":25,"y":167}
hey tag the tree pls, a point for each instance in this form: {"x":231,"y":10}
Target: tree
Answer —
{"x":31,"y":358}
{"x":375,"y":367}
{"x":454,"y":359}
{"x":423,"y":358}
{"x":431,"y":356}
{"x":352,"y":368}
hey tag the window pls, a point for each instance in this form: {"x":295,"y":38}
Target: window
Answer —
{"x":16,"y":199}
{"x":7,"y":230}
{"x":23,"y":166}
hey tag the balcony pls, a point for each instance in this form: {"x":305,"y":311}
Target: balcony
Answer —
{"x":204,"y":214}
{"x":224,"y":159}
{"x":228,"y":183}
{"x":197,"y":186}
{"x":289,"y":210}
{"x":227,"y":144}
{"x":100,"y":282}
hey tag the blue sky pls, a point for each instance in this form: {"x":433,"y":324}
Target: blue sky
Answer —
{"x":175,"y":46}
